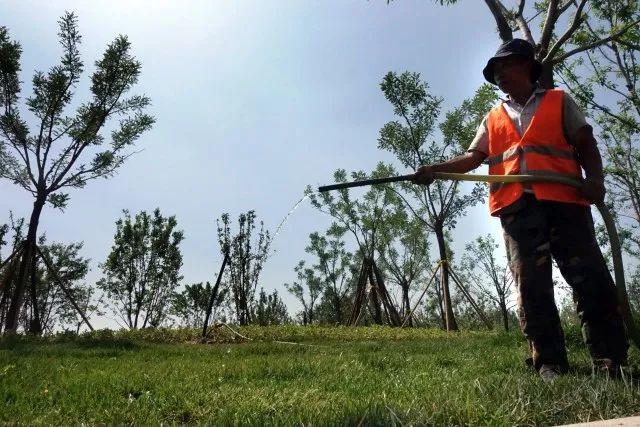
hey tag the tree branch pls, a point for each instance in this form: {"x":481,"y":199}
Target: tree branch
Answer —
{"x":523,"y":25}
{"x":549,"y":24}
{"x":497,"y":10}
{"x":575,"y":24}
{"x":596,"y":43}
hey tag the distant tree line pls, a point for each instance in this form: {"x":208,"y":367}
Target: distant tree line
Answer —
{"x":387,"y":256}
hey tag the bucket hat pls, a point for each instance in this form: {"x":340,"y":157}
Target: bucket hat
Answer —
{"x":513,"y":47}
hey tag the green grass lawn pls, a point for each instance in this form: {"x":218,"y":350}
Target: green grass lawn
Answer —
{"x":348,"y":376}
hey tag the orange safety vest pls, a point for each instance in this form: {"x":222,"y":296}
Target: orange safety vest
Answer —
{"x":542,"y":150}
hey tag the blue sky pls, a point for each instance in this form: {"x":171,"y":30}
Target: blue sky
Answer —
{"x":253,"y":101}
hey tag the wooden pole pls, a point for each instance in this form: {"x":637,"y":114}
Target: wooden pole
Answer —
{"x":433,"y":275}
{"x":392,"y":313}
{"x":377,"y":313}
{"x":67,"y":293}
{"x":15,"y":252}
{"x":6,"y":280}
{"x":214,"y":291}
{"x":360,"y":296}
{"x":466,"y":293}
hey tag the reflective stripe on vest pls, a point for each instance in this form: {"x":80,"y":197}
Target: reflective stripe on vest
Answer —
{"x":542,"y":150}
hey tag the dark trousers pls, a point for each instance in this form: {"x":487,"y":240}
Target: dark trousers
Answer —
{"x":534,"y":232}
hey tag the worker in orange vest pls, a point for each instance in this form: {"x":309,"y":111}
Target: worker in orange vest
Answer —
{"x":540,"y":131}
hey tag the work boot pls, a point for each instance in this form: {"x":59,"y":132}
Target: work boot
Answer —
{"x":549,"y":373}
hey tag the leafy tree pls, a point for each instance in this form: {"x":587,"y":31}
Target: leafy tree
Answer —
{"x":64,"y":150}
{"x":634,"y":291}
{"x":605,"y":81}
{"x":335,"y":267}
{"x":411,"y":139}
{"x":246,"y":259}
{"x":584,"y":29}
{"x":404,"y":250}
{"x":143,"y":268}
{"x":11,"y":236}
{"x":53,"y":306}
{"x":270,"y":310}
{"x":363,"y":217}
{"x":328,"y":279}
{"x":307,"y":290}
{"x":491,"y":279}
{"x":191,"y":304}
{"x":48,"y":308}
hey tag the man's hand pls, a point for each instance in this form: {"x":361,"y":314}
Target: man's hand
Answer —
{"x":593,"y":189}
{"x":423,"y":175}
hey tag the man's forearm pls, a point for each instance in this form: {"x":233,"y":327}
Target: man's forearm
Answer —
{"x":462,"y":163}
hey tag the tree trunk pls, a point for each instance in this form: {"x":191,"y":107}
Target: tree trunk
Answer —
{"x":450,"y":320}
{"x":7,"y":280}
{"x":505,"y":315}
{"x":443,"y":322}
{"x":28,"y":255}
{"x":337,"y":307}
{"x":35,"y":326}
{"x":546,"y":78}
{"x":406,"y":305}
{"x":373,"y":295}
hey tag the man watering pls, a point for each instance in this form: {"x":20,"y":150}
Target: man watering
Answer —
{"x":537,"y":131}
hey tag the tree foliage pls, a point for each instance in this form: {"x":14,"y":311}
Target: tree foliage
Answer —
{"x":54,"y":309}
{"x":307,"y":289}
{"x":489,"y":277}
{"x":414,"y":140}
{"x":404,"y":251}
{"x":52,"y":158}
{"x":247,"y":255}
{"x":323,"y":288}
{"x":65,"y":149}
{"x":143,"y":268}
{"x":270,"y":309}
{"x":190,"y":305}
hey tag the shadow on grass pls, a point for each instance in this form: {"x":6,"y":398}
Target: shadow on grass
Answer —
{"x":98,"y":341}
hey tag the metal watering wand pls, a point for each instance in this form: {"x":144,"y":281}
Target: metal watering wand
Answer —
{"x":607,"y":218}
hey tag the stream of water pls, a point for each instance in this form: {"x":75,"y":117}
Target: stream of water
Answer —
{"x":284,"y":221}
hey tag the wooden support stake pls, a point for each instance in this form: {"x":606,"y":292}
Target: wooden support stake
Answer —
{"x":6,"y":280}
{"x":392,"y":313}
{"x":11,"y":267}
{"x":214,"y":291}
{"x":360,"y":296}
{"x":433,"y":275}
{"x":377,"y":314}
{"x":457,"y":281}
{"x":66,"y":291}
{"x":15,"y":252}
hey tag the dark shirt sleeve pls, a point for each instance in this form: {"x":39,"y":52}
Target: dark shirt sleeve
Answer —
{"x":573,"y":118}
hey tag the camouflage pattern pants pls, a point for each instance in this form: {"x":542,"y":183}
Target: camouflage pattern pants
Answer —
{"x":536,"y":231}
